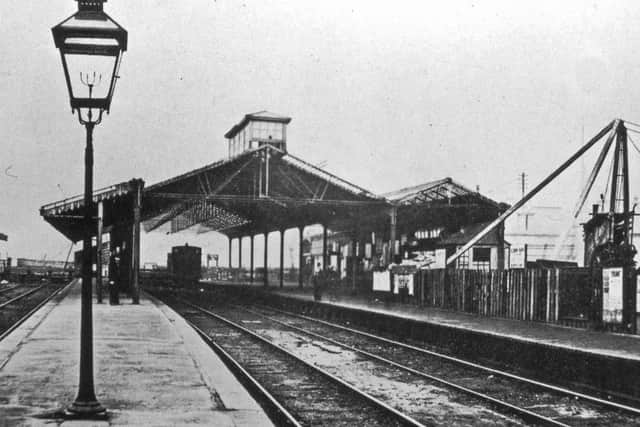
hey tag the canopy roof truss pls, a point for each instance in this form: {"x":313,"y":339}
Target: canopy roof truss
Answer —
{"x":260,"y":190}
{"x":436,"y":192}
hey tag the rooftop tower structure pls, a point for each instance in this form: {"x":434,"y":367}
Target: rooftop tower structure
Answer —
{"x":256,"y":130}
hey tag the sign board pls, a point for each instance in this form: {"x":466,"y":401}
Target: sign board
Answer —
{"x":401,"y":281}
{"x":612,"y":279}
{"x":638,"y":293}
{"x":367,"y":250}
{"x":440,"y":260}
{"x":518,"y":256}
{"x":382,"y":281}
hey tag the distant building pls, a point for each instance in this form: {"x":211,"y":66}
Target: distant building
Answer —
{"x":548,"y":233}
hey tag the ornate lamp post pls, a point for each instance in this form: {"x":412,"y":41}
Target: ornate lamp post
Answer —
{"x":91,"y":46}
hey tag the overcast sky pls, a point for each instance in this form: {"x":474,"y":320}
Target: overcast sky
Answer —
{"x":388,"y":94}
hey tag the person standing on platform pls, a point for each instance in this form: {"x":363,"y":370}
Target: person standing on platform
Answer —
{"x":114,"y":277}
{"x":319,"y":279}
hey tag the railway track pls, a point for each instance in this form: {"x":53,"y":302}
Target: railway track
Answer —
{"x":534,"y":401}
{"x":19,"y":302}
{"x":417,"y":398}
{"x":303,"y":393}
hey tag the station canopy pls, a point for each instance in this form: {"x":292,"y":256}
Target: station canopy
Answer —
{"x":260,"y":190}
{"x":443,"y":202}
{"x":265,"y":189}
{"x":67,"y":215}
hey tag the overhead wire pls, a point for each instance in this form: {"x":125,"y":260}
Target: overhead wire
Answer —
{"x":606,"y":186}
{"x":631,"y":123}
{"x":633,"y":143}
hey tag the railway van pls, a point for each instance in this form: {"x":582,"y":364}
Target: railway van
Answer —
{"x":184,"y":264}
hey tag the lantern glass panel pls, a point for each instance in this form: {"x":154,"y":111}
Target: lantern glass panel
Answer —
{"x":90,"y":71}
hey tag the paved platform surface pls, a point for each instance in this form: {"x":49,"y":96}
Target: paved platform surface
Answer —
{"x":610,"y":344}
{"x":151,"y":369}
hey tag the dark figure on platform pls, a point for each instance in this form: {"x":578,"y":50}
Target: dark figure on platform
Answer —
{"x":307,"y":273}
{"x":114,"y":277}
{"x":319,"y":282}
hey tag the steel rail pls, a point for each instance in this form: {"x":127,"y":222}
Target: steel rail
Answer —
{"x":592,"y":399}
{"x":23,"y":319}
{"x":390,"y":410}
{"x":274,"y":409}
{"x":524,"y":413}
{"x":2,"y":291}
{"x":23,"y":295}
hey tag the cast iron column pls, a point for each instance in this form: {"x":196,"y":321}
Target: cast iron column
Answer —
{"x":300,"y":257}
{"x":137,"y":204}
{"x":251,"y":261}
{"x":99,"y":255}
{"x":86,"y":401}
{"x":240,"y":259}
{"x":354,"y":263}
{"x":281,"y":258}
{"x":324,"y":247}
{"x":266,"y":270}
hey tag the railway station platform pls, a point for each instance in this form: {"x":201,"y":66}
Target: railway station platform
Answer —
{"x":601,"y":343}
{"x":150,"y":368}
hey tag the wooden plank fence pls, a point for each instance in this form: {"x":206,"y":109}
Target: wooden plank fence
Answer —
{"x":522,"y":294}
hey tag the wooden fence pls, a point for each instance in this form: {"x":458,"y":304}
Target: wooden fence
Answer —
{"x":560,"y":295}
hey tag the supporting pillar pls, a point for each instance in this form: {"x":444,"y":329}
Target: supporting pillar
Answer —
{"x":230,"y":241}
{"x":127,"y":273}
{"x":115,"y":265}
{"x":324,"y":247}
{"x":266,"y":268}
{"x":300,"y":258}
{"x":393,"y":216}
{"x":251,"y":267}
{"x":99,"y":255}
{"x":282,"y":258}
{"x":135,"y":247}
{"x":354,"y":263}
{"x":500,"y":232}
{"x":240,"y":259}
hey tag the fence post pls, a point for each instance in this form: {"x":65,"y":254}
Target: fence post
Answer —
{"x":532,"y":286}
{"x":557,"y":295}
{"x":548,"y":313}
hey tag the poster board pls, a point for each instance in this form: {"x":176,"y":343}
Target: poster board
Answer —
{"x":382,"y":281}
{"x":403,"y":281}
{"x":638,"y":293}
{"x":440,"y":259}
{"x":612,"y":279}
{"x":518,"y":256}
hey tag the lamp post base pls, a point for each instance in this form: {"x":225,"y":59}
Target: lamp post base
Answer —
{"x":86,"y":408}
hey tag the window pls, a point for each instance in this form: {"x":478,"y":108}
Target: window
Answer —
{"x":481,"y":254}
{"x":267,"y":130}
{"x":463,"y":260}
{"x":482,"y":258}
{"x":432,"y":233}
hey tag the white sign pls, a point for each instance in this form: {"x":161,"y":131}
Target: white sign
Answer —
{"x":403,"y":281}
{"x":382,"y":281}
{"x":518,"y":256}
{"x":367,"y":250}
{"x":440,"y":259}
{"x":638,"y":293}
{"x":612,"y":279}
